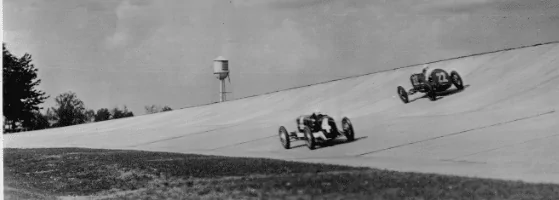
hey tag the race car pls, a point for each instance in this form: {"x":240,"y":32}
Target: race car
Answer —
{"x":316,"y":128}
{"x":438,"y":80}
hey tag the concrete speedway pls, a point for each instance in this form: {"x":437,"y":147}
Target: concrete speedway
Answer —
{"x":504,"y":124}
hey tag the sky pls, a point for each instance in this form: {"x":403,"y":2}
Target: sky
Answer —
{"x":136,"y":53}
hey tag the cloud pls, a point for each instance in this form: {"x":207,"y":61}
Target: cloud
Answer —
{"x":136,"y":22}
{"x":118,"y":39}
{"x":280,"y":50}
{"x":64,"y":28}
{"x":16,"y":41}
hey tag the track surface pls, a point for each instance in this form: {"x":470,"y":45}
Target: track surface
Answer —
{"x":505,"y":124}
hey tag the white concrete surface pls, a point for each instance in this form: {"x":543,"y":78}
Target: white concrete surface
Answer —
{"x":505,"y":124}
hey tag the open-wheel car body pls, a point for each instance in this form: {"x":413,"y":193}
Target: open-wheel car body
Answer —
{"x":316,"y":129}
{"x":438,"y":80}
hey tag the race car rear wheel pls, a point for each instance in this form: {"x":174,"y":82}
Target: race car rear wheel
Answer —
{"x":457,"y":80}
{"x":284,"y":138}
{"x":403,"y":94}
{"x":309,"y":137}
{"x":348,"y":129}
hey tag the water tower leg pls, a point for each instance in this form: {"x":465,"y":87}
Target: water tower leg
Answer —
{"x":222,"y":91}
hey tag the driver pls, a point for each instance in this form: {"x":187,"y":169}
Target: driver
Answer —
{"x":315,"y":117}
{"x":426,"y":70}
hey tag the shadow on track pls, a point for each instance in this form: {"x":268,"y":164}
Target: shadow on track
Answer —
{"x":334,"y":142}
{"x":452,"y":91}
{"x":441,"y":95}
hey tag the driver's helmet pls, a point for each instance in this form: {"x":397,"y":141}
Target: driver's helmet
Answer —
{"x":316,"y":114}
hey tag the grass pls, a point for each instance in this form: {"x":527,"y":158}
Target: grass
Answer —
{"x":123,"y":174}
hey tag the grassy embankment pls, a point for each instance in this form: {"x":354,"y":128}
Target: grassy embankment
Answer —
{"x":116,"y":174}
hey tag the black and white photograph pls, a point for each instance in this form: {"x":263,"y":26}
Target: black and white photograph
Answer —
{"x":280,"y":99}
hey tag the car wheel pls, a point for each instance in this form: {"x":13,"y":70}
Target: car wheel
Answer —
{"x":403,"y":94}
{"x":348,"y":129}
{"x":311,"y":143}
{"x":457,"y":80}
{"x":284,"y":138}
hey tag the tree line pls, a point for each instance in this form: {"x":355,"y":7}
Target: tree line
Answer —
{"x":22,"y":100}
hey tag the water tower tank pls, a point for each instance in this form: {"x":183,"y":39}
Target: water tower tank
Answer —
{"x":221,"y":68}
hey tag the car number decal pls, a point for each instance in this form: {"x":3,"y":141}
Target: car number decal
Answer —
{"x":442,"y":77}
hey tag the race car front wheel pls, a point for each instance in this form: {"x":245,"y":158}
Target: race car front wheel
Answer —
{"x":284,"y":138}
{"x":403,"y":94}
{"x":457,"y":80}
{"x":309,"y":138}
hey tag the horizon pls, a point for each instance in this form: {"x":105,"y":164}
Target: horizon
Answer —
{"x":134,"y":53}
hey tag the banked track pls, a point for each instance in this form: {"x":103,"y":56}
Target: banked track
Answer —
{"x":504,"y":125}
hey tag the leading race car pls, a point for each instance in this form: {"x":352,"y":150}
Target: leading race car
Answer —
{"x":316,"y":128}
{"x":438,"y":80}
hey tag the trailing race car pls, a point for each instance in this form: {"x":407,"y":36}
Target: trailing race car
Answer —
{"x":438,"y":80}
{"x":316,"y":128}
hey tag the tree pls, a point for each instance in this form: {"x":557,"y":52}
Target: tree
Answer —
{"x":102,"y":115}
{"x":166,"y":108}
{"x":117,"y":113}
{"x":39,"y":121}
{"x":21,"y":98}
{"x":70,"y":111}
{"x":50,"y":116}
{"x":155,"y":109}
{"x":89,"y":116}
{"x":151,"y":109}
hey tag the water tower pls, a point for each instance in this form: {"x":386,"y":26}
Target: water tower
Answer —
{"x":221,"y":71}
